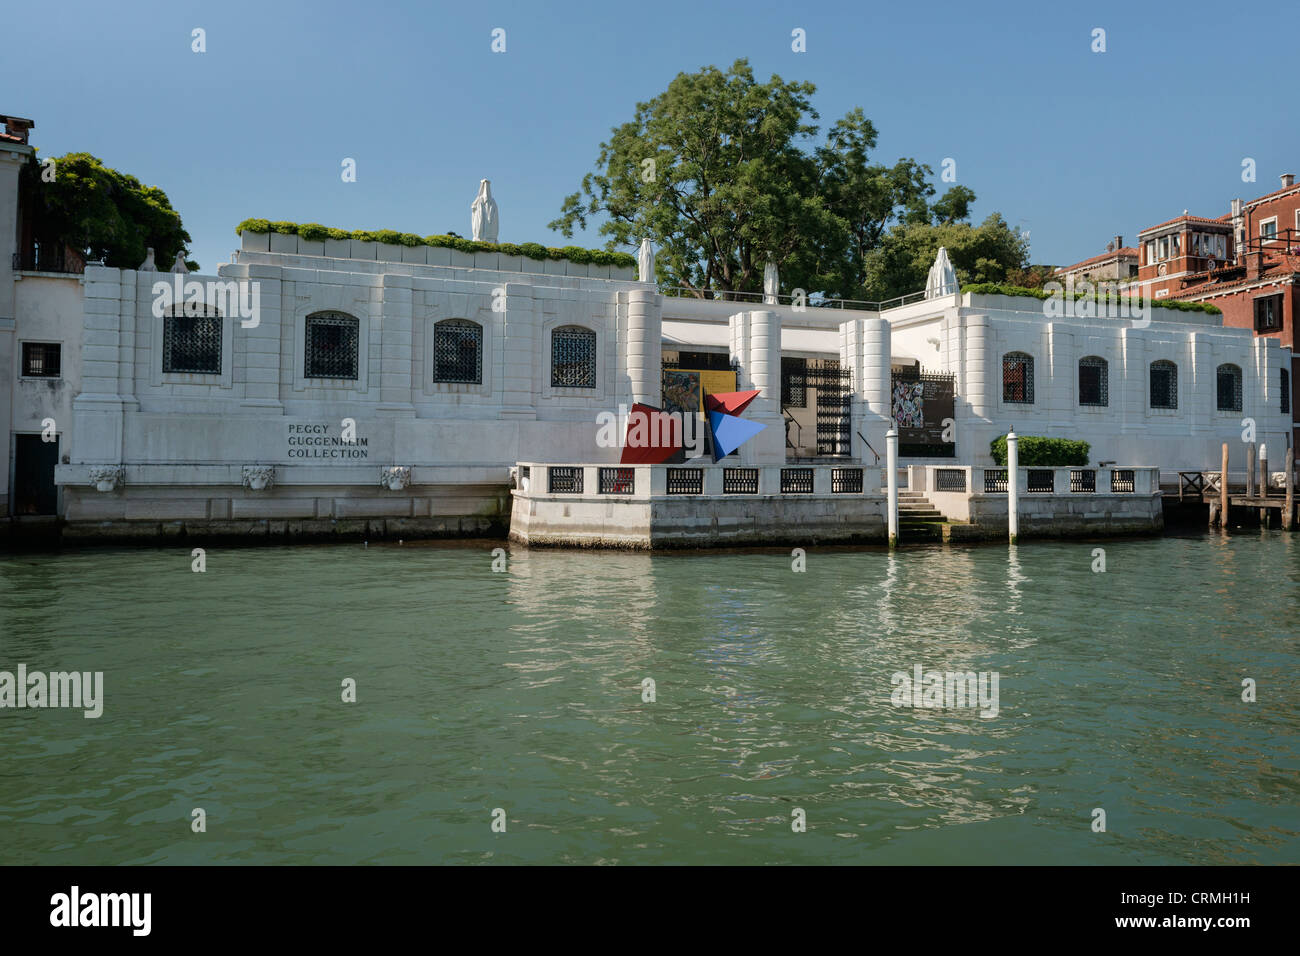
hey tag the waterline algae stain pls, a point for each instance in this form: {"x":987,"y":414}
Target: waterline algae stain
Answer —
{"x":503,"y":716}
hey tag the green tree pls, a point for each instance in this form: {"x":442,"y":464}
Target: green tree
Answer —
{"x":106,"y":214}
{"x":983,"y":253}
{"x":723,"y":172}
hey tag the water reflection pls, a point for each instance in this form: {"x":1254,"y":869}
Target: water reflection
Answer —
{"x":523,"y":689}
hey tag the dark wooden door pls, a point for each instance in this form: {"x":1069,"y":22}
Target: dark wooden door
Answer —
{"x":34,"y":489}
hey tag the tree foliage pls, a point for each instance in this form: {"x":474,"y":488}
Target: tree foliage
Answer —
{"x":723,"y":172}
{"x":901,"y":262}
{"x":106,"y":214}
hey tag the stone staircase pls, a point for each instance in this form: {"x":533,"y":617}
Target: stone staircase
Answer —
{"x":917,"y":518}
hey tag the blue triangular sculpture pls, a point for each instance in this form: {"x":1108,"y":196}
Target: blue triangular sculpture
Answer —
{"x":730,"y":432}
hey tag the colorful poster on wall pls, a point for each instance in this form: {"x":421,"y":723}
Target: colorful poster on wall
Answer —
{"x":681,"y":391}
{"x":920,"y":404}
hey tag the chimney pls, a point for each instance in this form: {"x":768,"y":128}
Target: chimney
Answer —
{"x":1119,"y":243}
{"x":1288,"y":180}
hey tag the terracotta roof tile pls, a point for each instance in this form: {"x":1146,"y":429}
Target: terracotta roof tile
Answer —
{"x":1180,"y":219}
{"x":1128,"y":251}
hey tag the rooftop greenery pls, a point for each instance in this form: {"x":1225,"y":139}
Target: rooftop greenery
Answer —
{"x":993,"y":288}
{"x":315,"y":232}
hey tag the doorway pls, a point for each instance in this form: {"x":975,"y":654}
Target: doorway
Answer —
{"x":34,"y":490}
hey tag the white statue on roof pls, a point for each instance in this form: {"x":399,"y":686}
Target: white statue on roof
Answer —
{"x":645,"y":262}
{"x":483,"y":213}
{"x":771,"y":283}
{"x":943,"y":277}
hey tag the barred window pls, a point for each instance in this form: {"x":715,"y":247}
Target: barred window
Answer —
{"x":44,"y":359}
{"x":1018,"y":378}
{"x":573,"y":357}
{"x":1164,"y":384}
{"x":794,"y":383}
{"x":192,"y":340}
{"x":458,"y":352}
{"x":333,"y":346}
{"x":1094,"y":385}
{"x":1229,"y":381}
{"x":1286,"y":390}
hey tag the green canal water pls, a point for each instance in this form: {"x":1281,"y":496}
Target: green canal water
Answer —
{"x":523,"y":691}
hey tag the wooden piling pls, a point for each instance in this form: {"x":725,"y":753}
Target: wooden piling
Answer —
{"x":1288,"y":507}
{"x":1250,"y":470}
{"x":1223,"y":490}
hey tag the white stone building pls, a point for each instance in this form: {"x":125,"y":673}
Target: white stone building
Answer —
{"x":388,"y":390}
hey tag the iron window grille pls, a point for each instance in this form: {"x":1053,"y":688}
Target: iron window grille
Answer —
{"x":686,"y":481}
{"x":740,"y":481}
{"x":1041,"y":481}
{"x":333,"y":346}
{"x":192,"y":341}
{"x":846,"y":481}
{"x":1121,"y":481}
{"x":42,"y":359}
{"x":1164,"y":384}
{"x":1083,"y":481}
{"x":1018,"y":378}
{"x":565,"y":480}
{"x":616,"y":481}
{"x":949,"y":479}
{"x":995,"y":481}
{"x":573,"y":357}
{"x":794,"y":383}
{"x":796,"y":481}
{"x":458,"y":352}
{"x":1229,"y":388}
{"x":1286,"y":390}
{"x":1094,"y":385}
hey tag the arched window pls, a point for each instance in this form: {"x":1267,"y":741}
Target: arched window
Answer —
{"x":1229,"y":381}
{"x":573,"y":357}
{"x":1286,"y":391}
{"x":1018,"y":378}
{"x":458,"y":352}
{"x":1094,"y":381}
{"x":333,"y":346}
{"x":1164,"y":384}
{"x":192,"y":339}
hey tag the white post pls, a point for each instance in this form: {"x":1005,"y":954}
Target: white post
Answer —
{"x":1013,"y":486}
{"x":891,"y":474}
{"x":1263,"y":471}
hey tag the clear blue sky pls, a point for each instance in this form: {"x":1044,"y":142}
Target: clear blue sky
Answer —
{"x":1072,"y":145}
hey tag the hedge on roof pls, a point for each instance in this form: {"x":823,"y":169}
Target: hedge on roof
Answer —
{"x":993,"y":288}
{"x":315,"y":232}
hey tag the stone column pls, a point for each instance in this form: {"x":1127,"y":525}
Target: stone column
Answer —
{"x":395,"y":347}
{"x":521,"y":348}
{"x":98,"y":407}
{"x":768,"y":447}
{"x":260,"y":345}
{"x":643,"y":345}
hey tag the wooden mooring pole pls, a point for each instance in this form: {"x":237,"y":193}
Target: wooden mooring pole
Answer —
{"x":1250,"y":470}
{"x":1223,"y":490}
{"x":1288,"y":507}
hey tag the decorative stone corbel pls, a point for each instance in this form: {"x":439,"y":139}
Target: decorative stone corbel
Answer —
{"x":395,"y":478}
{"x":259,"y":477}
{"x":107,"y":477}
